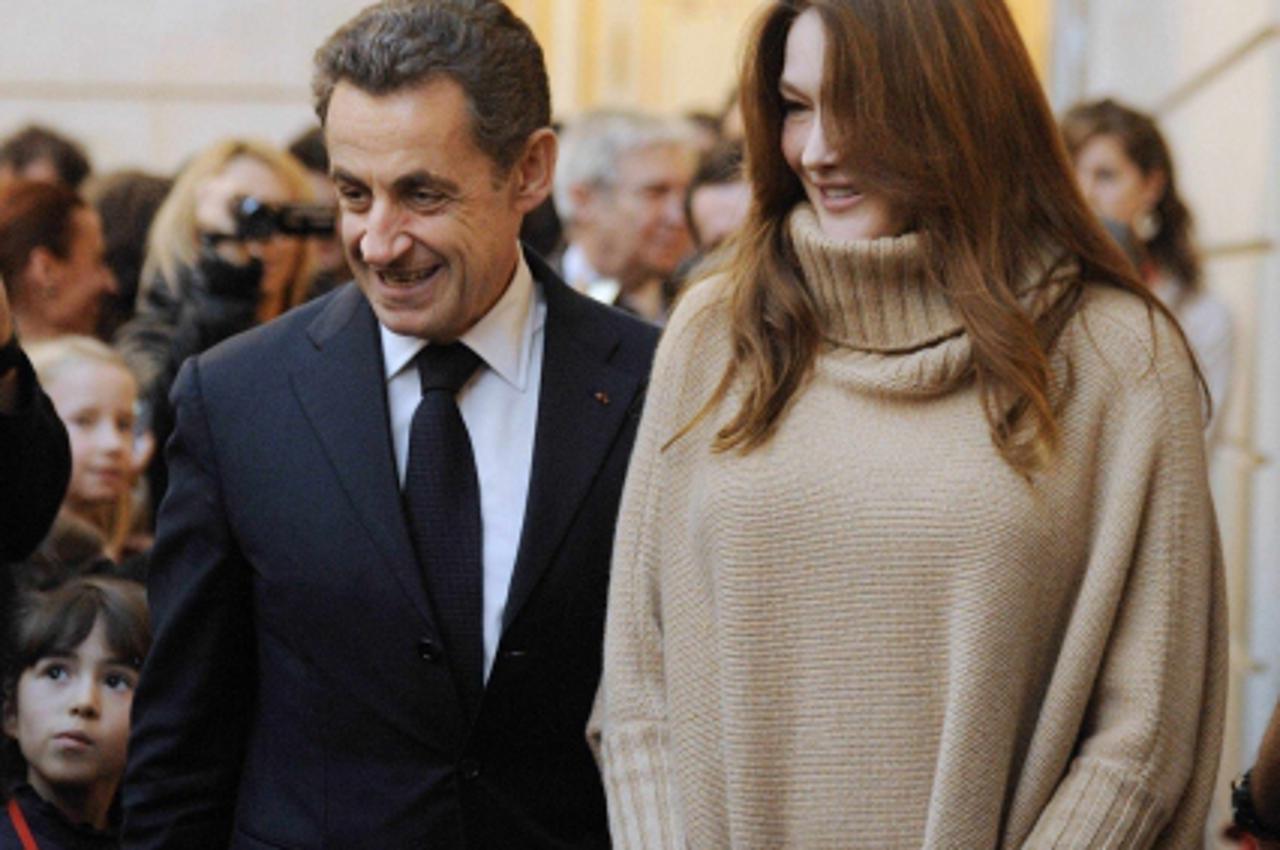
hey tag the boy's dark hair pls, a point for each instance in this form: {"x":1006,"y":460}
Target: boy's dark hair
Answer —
{"x":49,"y":622}
{"x":34,"y":142}
{"x":479,"y":44}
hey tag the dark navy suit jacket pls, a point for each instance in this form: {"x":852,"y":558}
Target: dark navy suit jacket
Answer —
{"x":297,"y":695}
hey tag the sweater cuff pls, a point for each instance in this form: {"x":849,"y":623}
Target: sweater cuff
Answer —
{"x":637,"y":781}
{"x":1099,"y":807}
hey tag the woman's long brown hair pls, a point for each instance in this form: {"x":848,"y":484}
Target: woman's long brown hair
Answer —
{"x":939,"y":109}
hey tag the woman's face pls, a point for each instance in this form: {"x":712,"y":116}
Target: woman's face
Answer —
{"x":1113,"y":184}
{"x":77,"y":283}
{"x":248,"y":176}
{"x":846,"y":209}
{"x":96,"y":402}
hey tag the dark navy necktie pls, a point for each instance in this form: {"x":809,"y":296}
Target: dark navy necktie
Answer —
{"x":442,"y":498}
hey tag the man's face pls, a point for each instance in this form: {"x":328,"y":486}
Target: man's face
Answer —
{"x":638,"y":224}
{"x":428,"y":224}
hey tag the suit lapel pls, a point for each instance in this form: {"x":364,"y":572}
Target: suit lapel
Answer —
{"x":583,"y":403}
{"x":342,"y":388}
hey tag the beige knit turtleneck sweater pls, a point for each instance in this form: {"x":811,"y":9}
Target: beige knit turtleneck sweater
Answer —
{"x":872,"y":632}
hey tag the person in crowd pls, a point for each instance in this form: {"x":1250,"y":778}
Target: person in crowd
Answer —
{"x":1127,"y":174}
{"x":96,"y":396}
{"x":35,"y":456}
{"x":379,"y":575}
{"x":1255,"y":796}
{"x":718,"y":197}
{"x":706,"y":129}
{"x":51,"y":260}
{"x":916,"y":548}
{"x":38,"y":153}
{"x":331,"y":264}
{"x":75,"y":657}
{"x":127,"y":202}
{"x":620,"y":191}
{"x":201,"y":282}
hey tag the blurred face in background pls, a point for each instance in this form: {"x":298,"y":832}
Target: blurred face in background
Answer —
{"x":69,"y":290}
{"x":1113,"y":184}
{"x":96,"y":400}
{"x":247,"y":176}
{"x":718,"y":210}
{"x":846,"y":209}
{"x":637,"y":223}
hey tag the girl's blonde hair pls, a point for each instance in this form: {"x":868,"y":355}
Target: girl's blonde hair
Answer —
{"x":50,"y":359}
{"x":173,"y":242}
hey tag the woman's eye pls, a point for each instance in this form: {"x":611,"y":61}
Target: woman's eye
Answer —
{"x":790,"y":107}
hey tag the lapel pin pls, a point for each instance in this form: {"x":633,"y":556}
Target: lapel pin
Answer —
{"x":603,"y":398}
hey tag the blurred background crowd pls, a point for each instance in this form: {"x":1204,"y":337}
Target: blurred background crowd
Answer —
{"x":163,"y":187}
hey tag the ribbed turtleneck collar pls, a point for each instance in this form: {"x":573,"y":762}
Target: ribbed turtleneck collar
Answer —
{"x":899,"y":334}
{"x":872,"y":294}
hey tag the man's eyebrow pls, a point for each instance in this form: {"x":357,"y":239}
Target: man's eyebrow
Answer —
{"x":417,"y":180}
{"x":345,"y":176}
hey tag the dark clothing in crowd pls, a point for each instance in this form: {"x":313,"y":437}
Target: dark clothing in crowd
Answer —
{"x":49,"y":827}
{"x":297,"y":692}
{"x":35,"y":465}
{"x":176,"y":319}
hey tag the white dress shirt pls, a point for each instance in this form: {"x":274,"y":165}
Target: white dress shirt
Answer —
{"x":582,"y":276}
{"x":499,"y":405}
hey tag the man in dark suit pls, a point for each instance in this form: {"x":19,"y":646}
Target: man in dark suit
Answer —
{"x":379,"y":580}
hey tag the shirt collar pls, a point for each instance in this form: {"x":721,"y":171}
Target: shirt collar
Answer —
{"x":503,"y":337}
{"x":578,"y":271}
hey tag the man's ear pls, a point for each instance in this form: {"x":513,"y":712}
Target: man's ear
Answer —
{"x":535,"y":170}
{"x":42,"y":271}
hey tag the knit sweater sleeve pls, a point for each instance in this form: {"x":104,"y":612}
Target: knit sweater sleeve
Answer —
{"x":628,"y":730}
{"x":1150,"y":618}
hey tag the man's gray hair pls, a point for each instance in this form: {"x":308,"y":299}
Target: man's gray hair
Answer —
{"x":593,"y":145}
{"x":479,"y":44}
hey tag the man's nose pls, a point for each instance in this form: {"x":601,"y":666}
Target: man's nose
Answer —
{"x":384,"y":239}
{"x":673,"y":208}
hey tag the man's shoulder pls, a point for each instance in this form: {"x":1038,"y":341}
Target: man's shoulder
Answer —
{"x":629,"y":341}
{"x":268,"y":346}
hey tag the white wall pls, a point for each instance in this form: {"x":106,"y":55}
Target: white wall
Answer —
{"x":146,"y":83}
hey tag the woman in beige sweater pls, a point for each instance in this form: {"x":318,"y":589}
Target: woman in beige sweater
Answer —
{"x":916,"y":548}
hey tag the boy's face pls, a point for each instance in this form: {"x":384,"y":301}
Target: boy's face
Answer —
{"x":70,"y":717}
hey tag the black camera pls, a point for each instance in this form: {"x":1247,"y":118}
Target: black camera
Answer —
{"x":256,"y":219}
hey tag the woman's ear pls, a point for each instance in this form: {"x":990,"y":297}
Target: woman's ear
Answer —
{"x":1154,"y":184}
{"x":535,"y":170}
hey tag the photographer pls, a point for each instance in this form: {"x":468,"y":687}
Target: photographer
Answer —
{"x":204,"y":279}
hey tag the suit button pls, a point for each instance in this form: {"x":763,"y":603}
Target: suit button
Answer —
{"x":470,"y":769}
{"x":428,"y":650}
